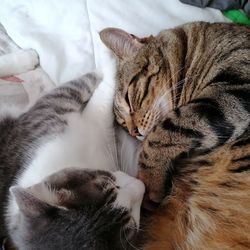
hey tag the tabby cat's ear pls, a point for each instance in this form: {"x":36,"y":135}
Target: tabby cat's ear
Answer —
{"x":120,"y":42}
{"x":29,"y":205}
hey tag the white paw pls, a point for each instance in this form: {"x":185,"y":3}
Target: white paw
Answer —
{"x":30,"y":59}
{"x":18,"y":62}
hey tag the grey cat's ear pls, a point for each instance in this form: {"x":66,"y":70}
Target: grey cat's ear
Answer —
{"x":120,"y":42}
{"x":29,"y":204}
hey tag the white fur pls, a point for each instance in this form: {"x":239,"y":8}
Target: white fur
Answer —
{"x":128,"y":152}
{"x":88,"y":142}
{"x":130,"y":194}
{"x":11,"y":110}
{"x":85,"y":143}
{"x":18,"y":62}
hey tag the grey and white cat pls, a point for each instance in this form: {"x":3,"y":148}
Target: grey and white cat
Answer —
{"x":56,"y":202}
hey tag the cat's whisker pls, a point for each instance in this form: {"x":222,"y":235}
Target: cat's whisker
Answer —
{"x":121,"y":240}
{"x":164,"y":105}
{"x":135,"y":228}
{"x":177,"y":85}
{"x":112,"y":153}
{"x":177,"y":72}
{"x":160,"y":100}
{"x":129,"y":242}
{"x":123,"y":163}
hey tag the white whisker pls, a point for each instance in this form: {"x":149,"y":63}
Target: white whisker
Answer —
{"x":133,"y":246}
{"x":121,"y":240}
{"x":178,"y":85}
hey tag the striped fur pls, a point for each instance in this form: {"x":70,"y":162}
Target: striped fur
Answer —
{"x":209,"y":206}
{"x":187,"y":92}
{"x":22,"y":136}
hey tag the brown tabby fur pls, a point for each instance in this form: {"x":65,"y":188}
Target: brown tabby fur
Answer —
{"x":209,"y":208}
{"x":187,"y":91}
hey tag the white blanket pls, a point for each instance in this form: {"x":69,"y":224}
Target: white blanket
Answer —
{"x":65,"y":35}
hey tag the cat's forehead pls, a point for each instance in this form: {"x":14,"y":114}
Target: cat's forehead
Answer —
{"x":145,"y":54}
{"x":72,"y":177}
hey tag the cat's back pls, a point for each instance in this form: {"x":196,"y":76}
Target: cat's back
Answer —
{"x":9,"y":159}
{"x":197,"y":31}
{"x":201,"y":42}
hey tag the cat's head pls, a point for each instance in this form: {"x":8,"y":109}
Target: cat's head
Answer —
{"x":141,"y":95}
{"x":77,"y":209}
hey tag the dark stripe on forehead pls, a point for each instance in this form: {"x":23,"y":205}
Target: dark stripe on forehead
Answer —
{"x":133,"y":82}
{"x":146,"y":87}
{"x":181,"y":34}
{"x":138,"y":74}
{"x":169,"y":82}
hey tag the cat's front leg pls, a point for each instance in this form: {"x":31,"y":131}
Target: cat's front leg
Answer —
{"x":156,"y":160}
{"x":71,"y":96}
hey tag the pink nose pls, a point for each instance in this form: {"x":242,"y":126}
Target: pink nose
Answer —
{"x":135,"y":132}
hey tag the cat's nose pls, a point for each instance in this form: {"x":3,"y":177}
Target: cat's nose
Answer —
{"x":135,"y":132}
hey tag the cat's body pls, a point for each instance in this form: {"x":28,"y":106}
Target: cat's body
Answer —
{"x":209,"y":205}
{"x":187,"y":92}
{"x":60,"y":200}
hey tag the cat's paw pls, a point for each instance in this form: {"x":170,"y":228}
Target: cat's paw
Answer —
{"x":89,"y":82}
{"x":155,"y":187}
{"x":18,"y":62}
{"x":93,"y":79}
{"x":28,"y":59}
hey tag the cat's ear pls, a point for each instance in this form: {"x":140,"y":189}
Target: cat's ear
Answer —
{"x":120,"y":42}
{"x":29,"y":204}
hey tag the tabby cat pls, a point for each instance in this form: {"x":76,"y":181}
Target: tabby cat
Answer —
{"x":186,"y":92}
{"x":51,"y":204}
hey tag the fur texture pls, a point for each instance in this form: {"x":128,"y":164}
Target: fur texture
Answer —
{"x":186,"y":91}
{"x":58,"y":199}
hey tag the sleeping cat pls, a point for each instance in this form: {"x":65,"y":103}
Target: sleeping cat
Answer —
{"x":186,"y":94}
{"x":56,"y":201}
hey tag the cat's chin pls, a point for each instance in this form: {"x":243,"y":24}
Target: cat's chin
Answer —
{"x":140,"y":137}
